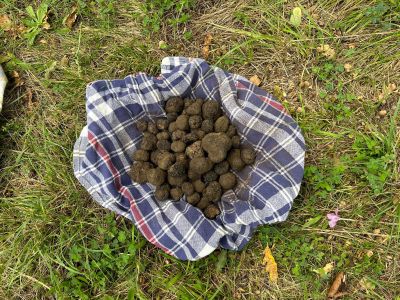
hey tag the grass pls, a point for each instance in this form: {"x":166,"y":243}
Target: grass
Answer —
{"x":55,"y":242}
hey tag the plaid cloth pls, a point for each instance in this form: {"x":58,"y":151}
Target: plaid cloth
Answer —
{"x":265,"y":191}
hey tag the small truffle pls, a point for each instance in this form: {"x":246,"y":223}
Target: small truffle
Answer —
{"x":187,"y":188}
{"x":236,"y":141}
{"x":211,"y":110}
{"x":178,"y":146}
{"x":141,"y":125}
{"x":195,"y":122}
{"x":227,"y":181}
{"x":248,"y":155}
{"x":190,"y":138}
{"x":193,"y":175}
{"x":231,"y":131}
{"x":210,"y":176}
{"x":213,"y":191}
{"x":176,"y":193}
{"x":222,"y":167}
{"x":194,"y":150}
{"x":162,"y":124}
{"x":163,"y":135}
{"x":222,"y":124}
{"x":174,"y":104}
{"x":194,"y":108}
{"x":182,"y":122}
{"x":172,"y":116}
{"x":172,"y":127}
{"x":212,"y":211}
{"x":162,"y":192}
{"x":200,"y":165}
{"x":165,"y":160}
{"x":149,"y":141}
{"x":163,"y":145}
{"x":138,"y":171}
{"x":199,"y":186}
{"x":178,"y":169}
{"x":200,"y":133}
{"x":156,"y":176}
{"x":216,"y":145}
{"x":152,"y":128}
{"x":188,"y":102}
{"x":203,"y":203}
{"x":235,"y":160}
{"x":207,"y":126}
{"x":177,"y":135}
{"x":180,"y":156}
{"x":140,"y":155}
{"x":154,"y":156}
{"x":176,"y":181}
{"x":193,"y":199}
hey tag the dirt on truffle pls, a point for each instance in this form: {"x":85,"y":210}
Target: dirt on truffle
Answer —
{"x":188,"y":155}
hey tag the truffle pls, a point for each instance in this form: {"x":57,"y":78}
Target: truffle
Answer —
{"x":207,"y":126}
{"x":148,"y":142}
{"x":227,"y":181}
{"x":222,"y":167}
{"x":140,"y":155}
{"x":211,"y":110}
{"x":231,"y":131}
{"x":138,"y":171}
{"x":163,"y":145}
{"x":152,"y":128}
{"x":176,"y":193}
{"x":213,"y":191}
{"x":177,"y":135}
{"x":222,"y":124}
{"x":156,"y":176}
{"x":200,"y":165}
{"x":193,"y":199}
{"x":200,"y":133}
{"x":178,"y":146}
{"x":195,"y":122}
{"x":172,"y":116}
{"x":163,"y":135}
{"x":194,"y":150}
{"x":172,"y":127}
{"x":162,"y":192}
{"x":203,"y":203}
{"x":194,"y":108}
{"x":210,"y":176}
{"x":176,"y":181}
{"x":165,"y":160}
{"x":236,"y":141}
{"x":216,"y":145}
{"x":211,"y":211}
{"x":235,"y":160}
{"x":199,"y":185}
{"x":190,"y":138}
{"x":187,"y":188}
{"x":174,"y":104}
{"x":178,"y":169}
{"x":182,"y":122}
{"x":193,"y":175}
{"x":162,"y":124}
{"x":248,"y":155}
{"x":141,"y":125}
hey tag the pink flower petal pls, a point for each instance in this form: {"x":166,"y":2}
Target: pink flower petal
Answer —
{"x":333,"y":218}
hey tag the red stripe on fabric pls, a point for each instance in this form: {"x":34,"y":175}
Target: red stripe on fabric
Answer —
{"x":273,"y":103}
{"x":146,"y":231}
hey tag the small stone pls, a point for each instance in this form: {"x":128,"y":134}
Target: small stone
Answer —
{"x":299,"y":110}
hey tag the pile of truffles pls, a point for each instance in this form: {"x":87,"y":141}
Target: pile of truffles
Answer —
{"x":191,"y":153}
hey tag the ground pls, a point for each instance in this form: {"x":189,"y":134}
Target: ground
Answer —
{"x":336,"y":70}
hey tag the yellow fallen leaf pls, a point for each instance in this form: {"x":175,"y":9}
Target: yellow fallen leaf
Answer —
{"x":5,"y":22}
{"x":255,"y":80}
{"x":206,"y":48}
{"x":70,"y":20}
{"x":328,"y":267}
{"x":347,"y":67}
{"x":271,"y":266}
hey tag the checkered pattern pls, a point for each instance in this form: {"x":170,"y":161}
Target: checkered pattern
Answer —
{"x":265,"y":191}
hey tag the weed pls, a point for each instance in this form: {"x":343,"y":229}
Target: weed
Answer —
{"x":36,"y":22}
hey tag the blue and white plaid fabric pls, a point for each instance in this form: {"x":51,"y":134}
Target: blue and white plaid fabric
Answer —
{"x":265,"y":192}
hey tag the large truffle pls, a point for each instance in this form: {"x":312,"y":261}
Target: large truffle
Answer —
{"x":216,"y":145}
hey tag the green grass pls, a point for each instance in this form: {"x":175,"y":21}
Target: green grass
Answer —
{"x":56,"y":242}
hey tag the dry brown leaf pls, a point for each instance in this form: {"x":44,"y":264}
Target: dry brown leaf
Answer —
{"x":271,"y":266}
{"x":5,"y":22}
{"x":206,"y":48}
{"x":255,"y":80}
{"x":71,"y":18}
{"x":334,"y":289}
{"x":17,"y":79}
{"x":326,"y":51}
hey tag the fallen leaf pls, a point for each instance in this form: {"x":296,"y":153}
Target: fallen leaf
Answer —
{"x":326,"y":51}
{"x":334,"y":289}
{"x":70,"y":20}
{"x":64,"y":61}
{"x":255,"y":80}
{"x":5,"y":22}
{"x":206,"y":48}
{"x":17,"y":79}
{"x":328,"y":267}
{"x":325,"y":270}
{"x":295,"y":18}
{"x":271,"y":266}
